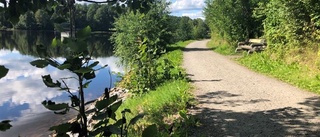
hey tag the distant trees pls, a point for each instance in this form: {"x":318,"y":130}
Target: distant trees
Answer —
{"x":26,"y":21}
{"x":184,"y":28}
{"x":99,"y":17}
{"x":43,"y":20}
{"x":103,"y":18}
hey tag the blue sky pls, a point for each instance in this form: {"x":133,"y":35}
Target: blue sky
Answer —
{"x":191,"y":8}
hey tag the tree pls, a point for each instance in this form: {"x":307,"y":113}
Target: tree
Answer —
{"x":81,"y":16}
{"x":27,"y":21}
{"x":104,"y":18}
{"x":90,"y":15}
{"x":43,"y":20}
{"x":185,"y":28}
{"x":138,"y":43}
{"x":200,"y":29}
{"x":232,"y":19}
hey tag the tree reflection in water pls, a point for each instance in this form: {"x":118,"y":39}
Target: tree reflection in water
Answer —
{"x":22,"y":90}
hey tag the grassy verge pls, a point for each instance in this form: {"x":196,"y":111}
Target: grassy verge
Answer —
{"x":293,"y":73}
{"x":220,"y":46}
{"x":164,"y":104}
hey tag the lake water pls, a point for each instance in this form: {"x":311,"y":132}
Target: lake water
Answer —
{"x":22,"y":90}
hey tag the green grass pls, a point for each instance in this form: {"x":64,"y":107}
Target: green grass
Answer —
{"x":221,"y":47}
{"x":165,"y":101}
{"x":294,"y":73}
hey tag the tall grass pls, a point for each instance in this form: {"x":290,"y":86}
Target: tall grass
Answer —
{"x":221,"y":46}
{"x":162,"y":104}
{"x":297,"y":66}
{"x":293,"y":73}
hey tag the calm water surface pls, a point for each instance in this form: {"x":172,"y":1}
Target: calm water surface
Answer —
{"x":22,"y":90}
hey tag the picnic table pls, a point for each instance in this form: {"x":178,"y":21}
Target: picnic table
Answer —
{"x":252,"y":45}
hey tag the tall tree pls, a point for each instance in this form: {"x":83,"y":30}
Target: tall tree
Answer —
{"x":232,"y":19}
{"x":104,"y":18}
{"x":27,"y":21}
{"x":200,"y":29}
{"x":81,"y":15}
{"x":43,"y":20}
{"x":185,"y":28}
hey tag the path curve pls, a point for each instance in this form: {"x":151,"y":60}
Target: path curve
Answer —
{"x":234,"y":101}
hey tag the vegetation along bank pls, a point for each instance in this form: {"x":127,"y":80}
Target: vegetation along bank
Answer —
{"x":146,"y":40}
{"x":291,"y":29}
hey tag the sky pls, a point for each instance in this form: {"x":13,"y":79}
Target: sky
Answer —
{"x":191,"y":8}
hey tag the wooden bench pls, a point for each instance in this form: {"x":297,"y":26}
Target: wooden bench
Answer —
{"x":252,"y":45}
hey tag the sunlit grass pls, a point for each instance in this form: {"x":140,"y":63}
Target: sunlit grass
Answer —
{"x":163,"y":102}
{"x":299,"y":67}
{"x":294,"y":73}
{"x":220,"y":46}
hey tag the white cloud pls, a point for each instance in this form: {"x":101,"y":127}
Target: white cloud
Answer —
{"x":23,"y":84}
{"x":179,"y":5}
{"x":112,"y":63}
{"x":194,"y":15}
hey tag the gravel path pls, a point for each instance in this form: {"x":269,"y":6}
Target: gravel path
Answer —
{"x":234,"y":101}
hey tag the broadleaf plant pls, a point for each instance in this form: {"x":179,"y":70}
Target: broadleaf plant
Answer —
{"x":5,"y":124}
{"x":79,"y":63}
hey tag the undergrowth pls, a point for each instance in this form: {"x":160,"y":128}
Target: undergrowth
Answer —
{"x":220,"y":46}
{"x":297,"y":67}
{"x":166,"y":105}
{"x":293,"y":73}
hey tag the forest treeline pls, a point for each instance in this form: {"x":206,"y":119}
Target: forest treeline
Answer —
{"x":291,"y":27}
{"x":101,"y":17}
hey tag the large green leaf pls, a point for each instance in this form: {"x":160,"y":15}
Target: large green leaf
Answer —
{"x":84,"y":70}
{"x":62,"y":128}
{"x":52,"y":62}
{"x":93,"y":64}
{"x":55,"y":42}
{"x":40,"y":63}
{"x":42,"y":51}
{"x":150,"y":131}
{"x":49,"y":83}
{"x":86,"y":85}
{"x":64,"y":66}
{"x":136,"y":119}
{"x":114,"y":107}
{"x":53,"y":106}
{"x":84,"y":33}
{"x":101,"y":104}
{"x":5,"y":125}
{"x":3,"y":71}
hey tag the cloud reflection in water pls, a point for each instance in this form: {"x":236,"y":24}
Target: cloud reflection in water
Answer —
{"x":22,"y":90}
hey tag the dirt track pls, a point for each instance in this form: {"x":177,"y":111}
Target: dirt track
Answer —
{"x":234,"y":101}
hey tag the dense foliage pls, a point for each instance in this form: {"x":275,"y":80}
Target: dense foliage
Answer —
{"x":232,"y":19}
{"x":184,"y":28}
{"x":25,"y":41}
{"x":291,"y":27}
{"x":99,"y":17}
{"x":290,"y":24}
